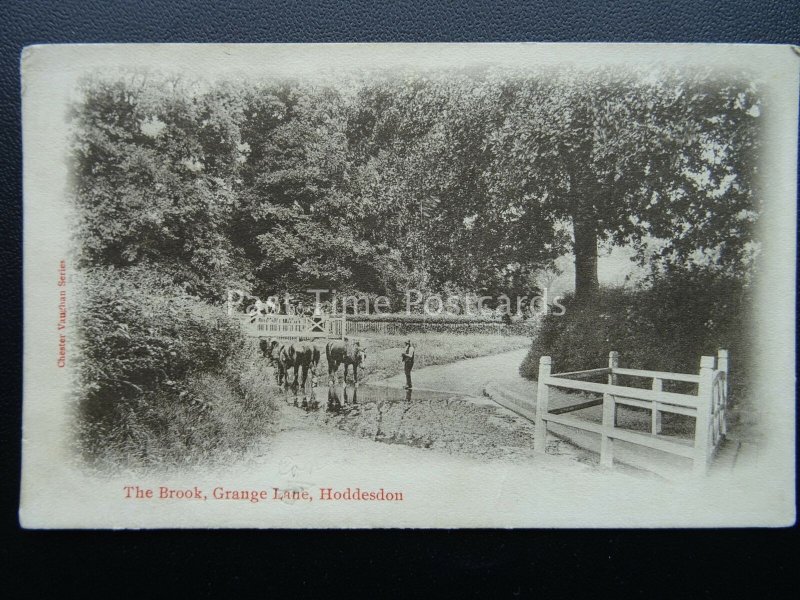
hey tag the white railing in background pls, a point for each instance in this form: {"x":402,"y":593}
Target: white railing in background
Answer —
{"x":294,"y":327}
{"x":379,"y":327}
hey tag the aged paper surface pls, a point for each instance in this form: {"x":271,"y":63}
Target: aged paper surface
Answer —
{"x":557,"y":279}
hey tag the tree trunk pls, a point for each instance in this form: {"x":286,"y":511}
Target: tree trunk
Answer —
{"x":585,"y":230}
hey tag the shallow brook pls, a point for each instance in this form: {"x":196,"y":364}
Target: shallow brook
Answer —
{"x":445,"y":421}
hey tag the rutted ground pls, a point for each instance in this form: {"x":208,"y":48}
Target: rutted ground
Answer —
{"x":441,"y":422}
{"x":457,"y":421}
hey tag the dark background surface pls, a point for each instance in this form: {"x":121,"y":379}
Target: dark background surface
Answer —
{"x":222,"y":563}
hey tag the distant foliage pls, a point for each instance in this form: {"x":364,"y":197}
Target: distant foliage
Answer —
{"x":666,"y":326}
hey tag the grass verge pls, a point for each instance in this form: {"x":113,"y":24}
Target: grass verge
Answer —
{"x":383,"y":351}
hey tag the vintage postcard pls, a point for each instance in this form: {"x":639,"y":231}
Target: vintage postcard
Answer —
{"x":409,"y":285}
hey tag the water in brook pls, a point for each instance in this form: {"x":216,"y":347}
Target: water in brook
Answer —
{"x":443,"y":421}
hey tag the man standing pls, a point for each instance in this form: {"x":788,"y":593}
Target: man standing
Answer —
{"x":408,"y":360}
{"x":257,"y":310}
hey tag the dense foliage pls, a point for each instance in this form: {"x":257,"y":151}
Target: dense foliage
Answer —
{"x":666,"y":325}
{"x":163,"y":378}
{"x":470,"y":181}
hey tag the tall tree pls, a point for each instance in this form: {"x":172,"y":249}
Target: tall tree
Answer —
{"x":624,"y":155}
{"x":470,"y":181}
{"x":421,"y":149}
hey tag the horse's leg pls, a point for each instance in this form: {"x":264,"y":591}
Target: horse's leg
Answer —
{"x":305,"y":376}
{"x":355,"y":374}
{"x":346,"y":366}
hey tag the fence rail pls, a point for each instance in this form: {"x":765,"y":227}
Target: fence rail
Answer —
{"x":708,"y":407}
{"x":381,"y":327}
{"x":403,"y":327}
{"x":262,"y":324}
{"x":294,"y":327}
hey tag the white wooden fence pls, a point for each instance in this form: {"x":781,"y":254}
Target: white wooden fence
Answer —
{"x":708,"y":407}
{"x":294,"y":327}
{"x":379,"y":327}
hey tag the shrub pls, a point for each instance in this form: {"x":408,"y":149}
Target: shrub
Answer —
{"x":448,"y":323}
{"x":162,"y":377}
{"x":666,"y":326}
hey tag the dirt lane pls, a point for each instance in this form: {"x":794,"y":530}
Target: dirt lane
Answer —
{"x":456,"y":421}
{"x":469,"y":376}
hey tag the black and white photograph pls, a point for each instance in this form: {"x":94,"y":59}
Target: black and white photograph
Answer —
{"x":409,"y":285}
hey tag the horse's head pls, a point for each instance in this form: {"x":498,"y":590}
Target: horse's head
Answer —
{"x":267,"y":348}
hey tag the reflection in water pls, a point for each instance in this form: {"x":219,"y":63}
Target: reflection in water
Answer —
{"x":422,"y":419}
{"x":353,"y":395}
{"x":343,"y":399}
{"x":306,"y":401}
{"x":334,"y":404}
{"x":344,"y":402}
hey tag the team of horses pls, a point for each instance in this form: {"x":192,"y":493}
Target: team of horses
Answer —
{"x":304,"y":357}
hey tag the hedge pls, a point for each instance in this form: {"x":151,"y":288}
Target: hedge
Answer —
{"x":457,"y":324}
{"x":421,"y":319}
{"x":666,"y":326}
{"x":162,"y":376}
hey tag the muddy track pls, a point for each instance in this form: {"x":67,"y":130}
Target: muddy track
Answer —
{"x":445,"y":412}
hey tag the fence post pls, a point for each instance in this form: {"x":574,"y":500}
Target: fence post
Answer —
{"x":613,"y":363}
{"x":722,"y":365}
{"x":703,"y":419}
{"x":658,"y":386}
{"x":540,"y":432}
{"x":606,"y":438}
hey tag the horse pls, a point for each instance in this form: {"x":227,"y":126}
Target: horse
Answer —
{"x":298,"y":356}
{"x":268,"y":347}
{"x":276,"y":354}
{"x":265,"y":347}
{"x":283,"y":358}
{"x":346,"y":353}
{"x":305,"y":355}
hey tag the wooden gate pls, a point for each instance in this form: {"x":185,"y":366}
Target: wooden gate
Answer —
{"x":294,"y":327}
